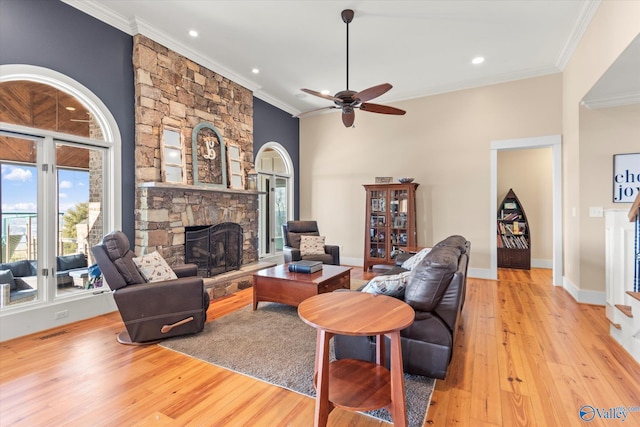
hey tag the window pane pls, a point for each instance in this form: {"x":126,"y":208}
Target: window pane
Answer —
{"x":173,"y":174}
{"x":42,"y":106}
{"x":19,"y":227}
{"x":172,"y":156}
{"x":281,"y":210}
{"x":171,"y":138}
{"x":80,"y":195}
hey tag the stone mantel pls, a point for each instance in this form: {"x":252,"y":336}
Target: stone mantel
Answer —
{"x":191,"y":187}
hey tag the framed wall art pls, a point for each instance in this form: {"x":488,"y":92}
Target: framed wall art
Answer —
{"x":626,"y":177}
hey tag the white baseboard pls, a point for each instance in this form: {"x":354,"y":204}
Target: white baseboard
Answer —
{"x":584,"y":296}
{"x":355,"y":262}
{"x":39,"y":317}
{"x":479,"y":273}
{"x":542,"y":263}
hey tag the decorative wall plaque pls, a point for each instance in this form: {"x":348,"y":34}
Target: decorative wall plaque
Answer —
{"x":209,"y":156}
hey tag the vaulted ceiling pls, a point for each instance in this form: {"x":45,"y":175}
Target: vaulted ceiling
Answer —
{"x":420,"y":47}
{"x":40,"y":106}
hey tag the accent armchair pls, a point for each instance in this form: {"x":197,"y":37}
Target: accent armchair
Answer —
{"x":155,"y":310}
{"x":292,"y":233}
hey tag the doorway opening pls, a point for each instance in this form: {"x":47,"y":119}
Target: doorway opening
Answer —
{"x":275,"y":184}
{"x":555,"y":143}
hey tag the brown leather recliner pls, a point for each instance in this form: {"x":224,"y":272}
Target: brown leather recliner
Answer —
{"x":151,"y":311}
{"x":292,"y":232}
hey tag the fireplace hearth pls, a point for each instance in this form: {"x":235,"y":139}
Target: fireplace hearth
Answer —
{"x":215,"y":249}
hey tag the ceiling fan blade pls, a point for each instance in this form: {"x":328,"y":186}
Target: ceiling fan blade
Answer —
{"x":372,"y":92}
{"x":322,"y":95}
{"x":348,"y":118}
{"x":304,"y":113}
{"x":382,"y":109}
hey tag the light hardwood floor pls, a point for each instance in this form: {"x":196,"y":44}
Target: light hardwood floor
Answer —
{"x":527,"y":354}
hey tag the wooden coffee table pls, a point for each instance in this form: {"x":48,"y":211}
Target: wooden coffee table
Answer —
{"x":356,"y":384}
{"x":278,"y":284}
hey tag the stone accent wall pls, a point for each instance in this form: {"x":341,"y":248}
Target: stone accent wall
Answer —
{"x":166,"y":210}
{"x":175,"y":92}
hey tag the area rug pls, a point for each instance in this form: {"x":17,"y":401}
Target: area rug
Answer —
{"x":272,"y":344}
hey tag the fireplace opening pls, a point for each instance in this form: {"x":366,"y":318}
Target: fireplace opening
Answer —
{"x":216,"y":249}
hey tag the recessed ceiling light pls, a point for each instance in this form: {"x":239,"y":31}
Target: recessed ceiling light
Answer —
{"x":193,"y":33}
{"x":255,"y":70}
{"x":325,"y":92}
{"x":477,"y":60}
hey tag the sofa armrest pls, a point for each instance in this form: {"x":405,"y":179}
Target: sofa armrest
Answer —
{"x":291,"y":254}
{"x":334,"y":251}
{"x":185,"y":270}
{"x":401,"y":258}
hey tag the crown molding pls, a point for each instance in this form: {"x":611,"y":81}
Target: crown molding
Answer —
{"x":486,"y":81}
{"x":145,"y":29}
{"x":103,"y":14}
{"x":589,"y":9}
{"x":258,"y":93}
{"x":138,"y":26}
{"x":612,"y":101}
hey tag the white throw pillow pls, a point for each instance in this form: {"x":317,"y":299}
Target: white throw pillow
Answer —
{"x":392,"y":285}
{"x":154,"y":268}
{"x":311,"y":245}
{"x":415,"y":260}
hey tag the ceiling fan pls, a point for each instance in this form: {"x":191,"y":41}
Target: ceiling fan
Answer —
{"x":348,"y":100}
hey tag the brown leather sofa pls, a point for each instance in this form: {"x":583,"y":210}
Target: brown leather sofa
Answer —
{"x":436,"y":290}
{"x":155,"y":310}
{"x":292,"y":232}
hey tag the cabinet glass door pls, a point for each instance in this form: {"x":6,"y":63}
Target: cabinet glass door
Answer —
{"x":377,"y":224}
{"x":398,"y":208}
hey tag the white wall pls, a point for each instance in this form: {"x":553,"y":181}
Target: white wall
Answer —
{"x":443,"y":141}
{"x":613,"y":27}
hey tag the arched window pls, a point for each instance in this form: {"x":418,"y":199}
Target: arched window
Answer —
{"x":275,"y":180}
{"x":59,"y":184}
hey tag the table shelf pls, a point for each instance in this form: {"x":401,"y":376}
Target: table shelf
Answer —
{"x":358,"y":385}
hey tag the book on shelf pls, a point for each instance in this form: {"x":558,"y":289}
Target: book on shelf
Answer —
{"x":513,"y":242}
{"x":304,"y":266}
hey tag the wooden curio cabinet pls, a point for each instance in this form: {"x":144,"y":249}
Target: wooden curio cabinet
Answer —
{"x":514,"y":241}
{"x":390,"y":222}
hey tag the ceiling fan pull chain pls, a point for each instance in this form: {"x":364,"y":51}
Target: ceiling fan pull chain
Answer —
{"x":347,"y":55}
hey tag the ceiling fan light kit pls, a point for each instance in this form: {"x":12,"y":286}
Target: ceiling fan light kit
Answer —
{"x":349,"y":100}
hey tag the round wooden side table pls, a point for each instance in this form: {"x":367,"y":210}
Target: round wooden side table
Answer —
{"x":355,"y":384}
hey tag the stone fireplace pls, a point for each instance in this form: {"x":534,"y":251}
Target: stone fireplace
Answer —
{"x":173,"y":92}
